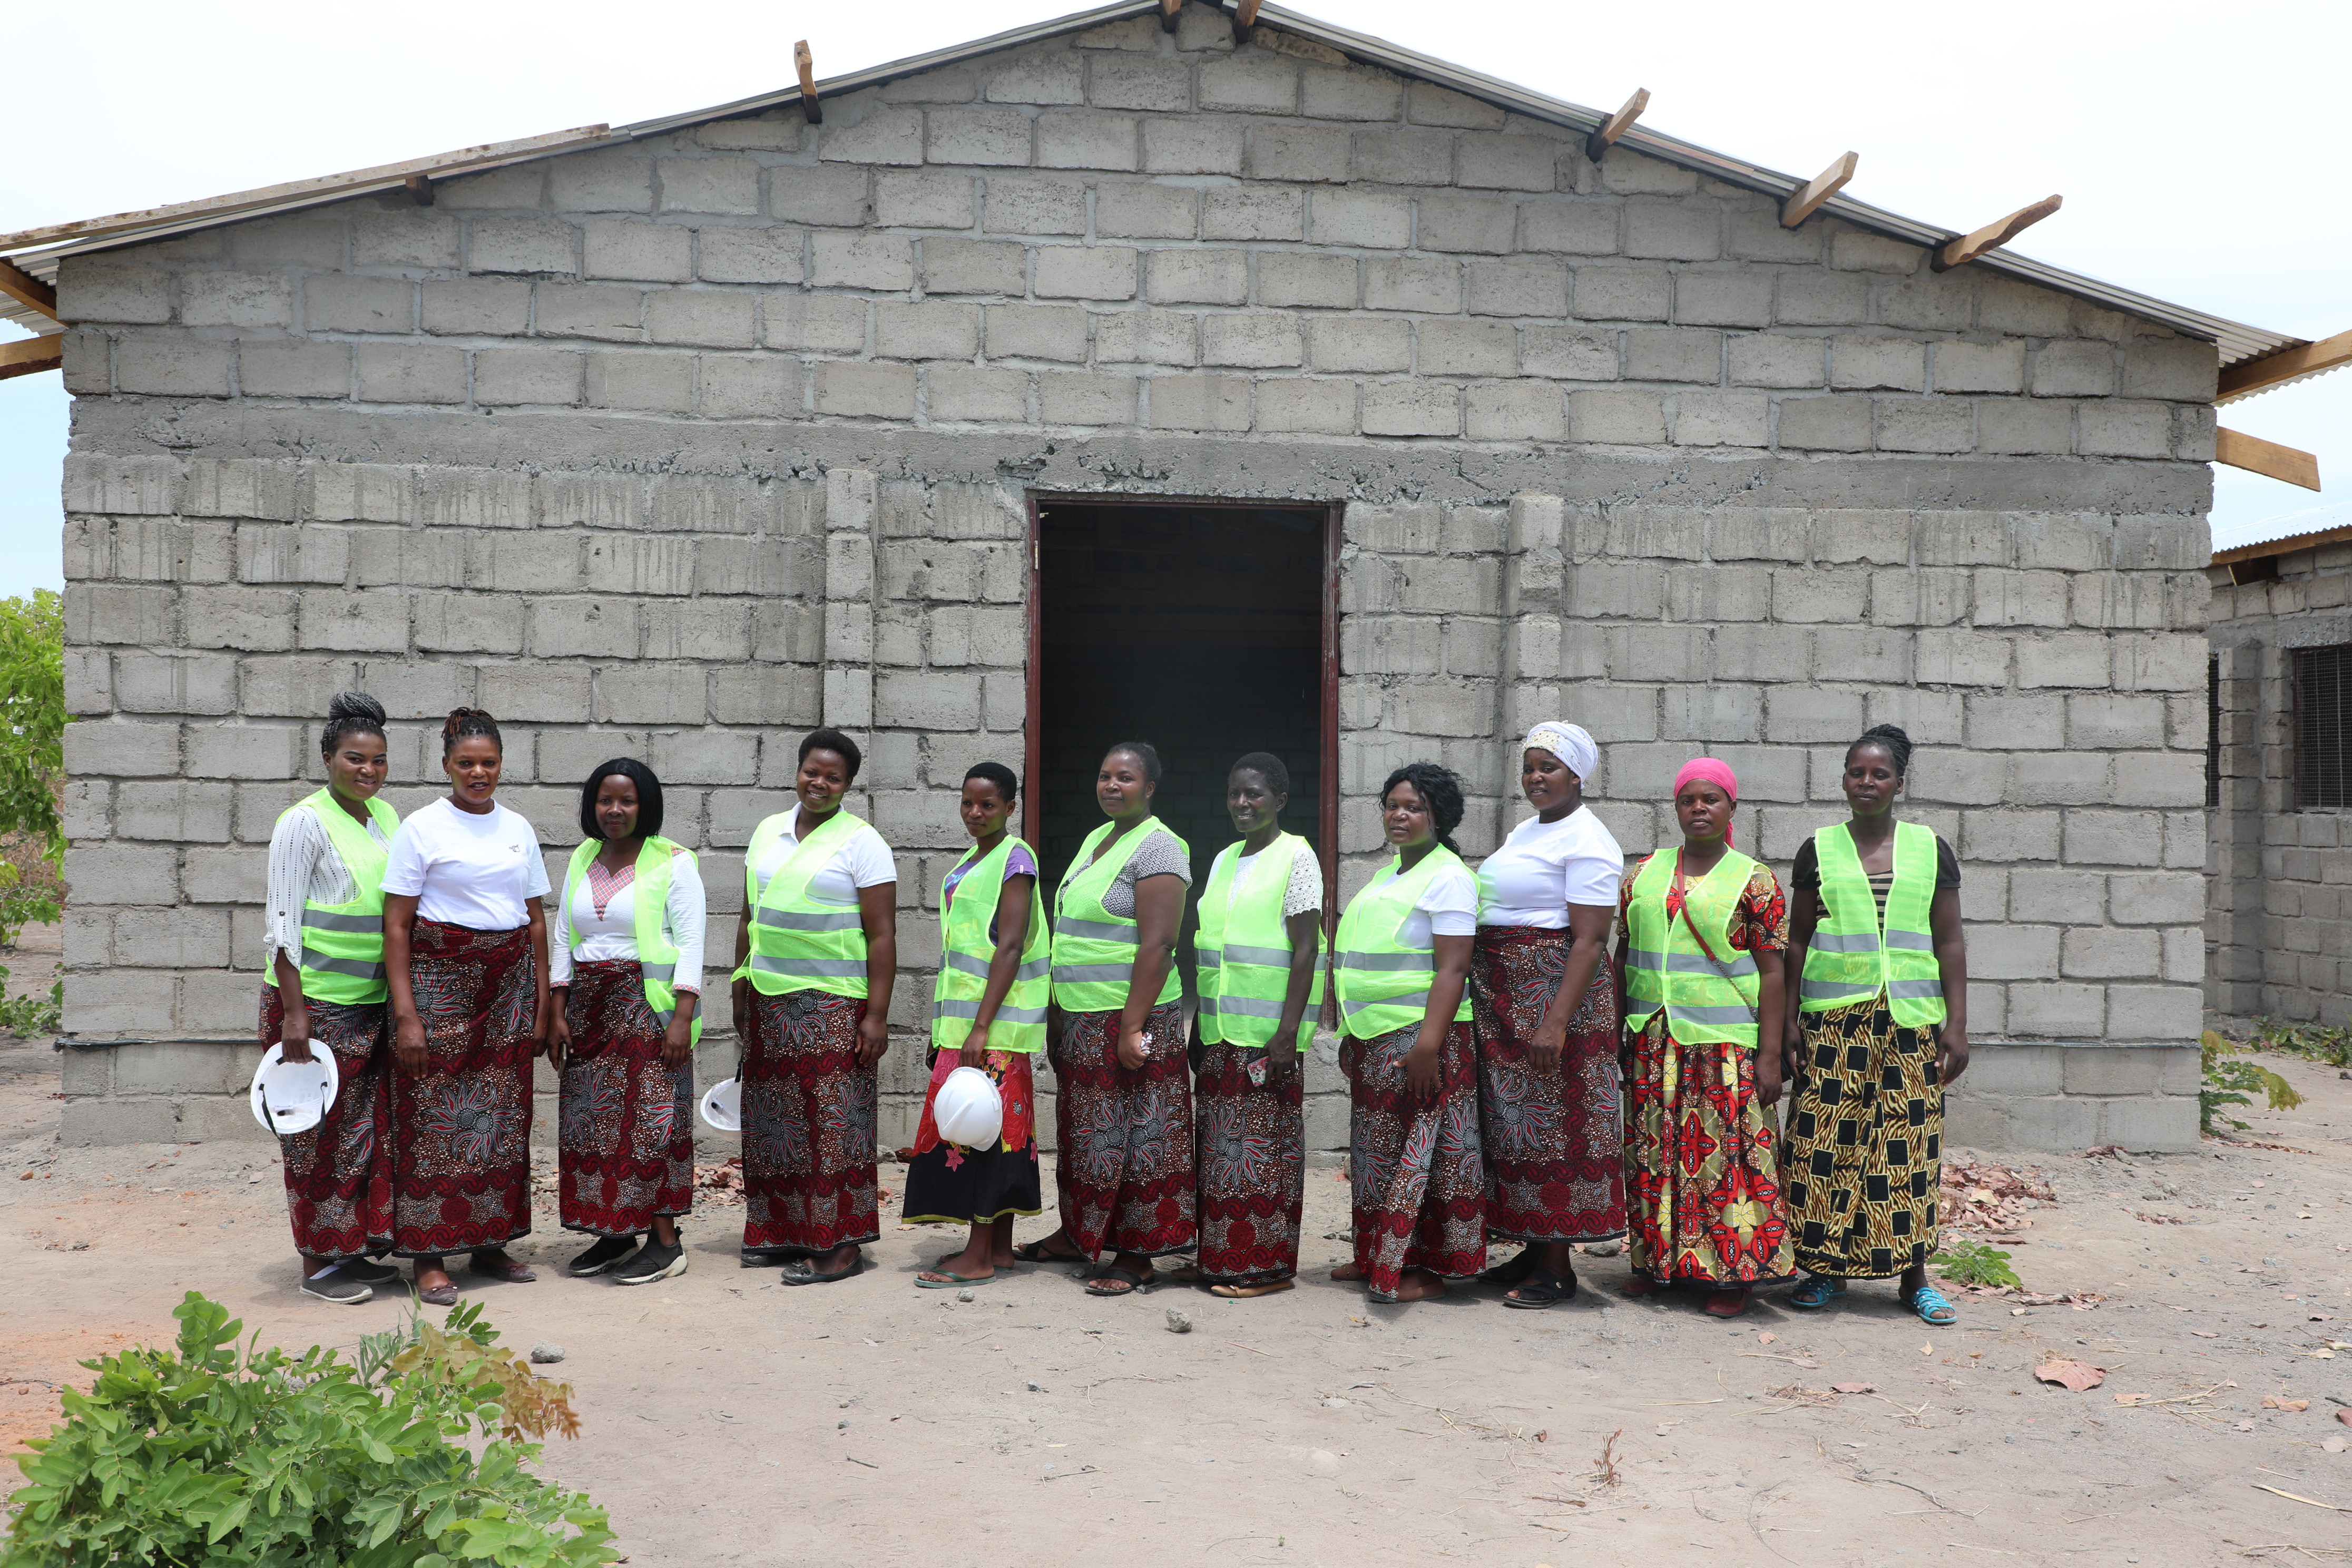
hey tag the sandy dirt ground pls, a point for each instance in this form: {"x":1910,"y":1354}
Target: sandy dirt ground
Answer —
{"x":732,"y":1420}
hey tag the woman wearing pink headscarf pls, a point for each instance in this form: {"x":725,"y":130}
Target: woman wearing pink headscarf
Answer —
{"x":1702,"y":929}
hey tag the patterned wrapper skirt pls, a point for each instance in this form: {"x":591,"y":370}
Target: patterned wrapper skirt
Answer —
{"x":338,"y":1181}
{"x":1124,"y":1170}
{"x":625,"y":1124}
{"x":1864,"y":1159}
{"x":1251,"y":1153}
{"x":809,"y":1127}
{"x":1420,"y":1185}
{"x":461,"y":1131}
{"x":1699,"y":1166}
{"x":1554,"y":1143}
{"x":948,"y":1184}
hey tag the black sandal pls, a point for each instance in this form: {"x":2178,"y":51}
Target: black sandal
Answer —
{"x":1542,"y":1288}
{"x":1511,"y":1273}
{"x":1137,"y":1284}
{"x":1035,"y":1252}
{"x":800,"y":1271}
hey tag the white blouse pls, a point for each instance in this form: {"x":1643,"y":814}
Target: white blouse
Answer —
{"x":303,"y":868}
{"x":613,"y":934}
{"x":863,"y":860}
{"x":1544,"y":866}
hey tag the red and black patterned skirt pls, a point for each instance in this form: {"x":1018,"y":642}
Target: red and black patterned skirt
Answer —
{"x":950,"y":1184}
{"x":1124,"y":1164}
{"x":338,"y":1181}
{"x":626,"y":1122}
{"x":809,"y":1125}
{"x":1554,"y":1143}
{"x":1420,"y":1187}
{"x":461,"y":1129}
{"x":1251,"y":1152}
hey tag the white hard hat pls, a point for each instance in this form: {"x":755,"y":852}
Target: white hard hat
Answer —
{"x":723,"y":1106}
{"x":968,"y":1108}
{"x":293,"y":1096}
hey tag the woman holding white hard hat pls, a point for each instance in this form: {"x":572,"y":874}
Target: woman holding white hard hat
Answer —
{"x":322,"y":946}
{"x":976,"y":1152}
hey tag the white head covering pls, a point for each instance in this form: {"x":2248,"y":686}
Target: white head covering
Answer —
{"x":1569,"y":743}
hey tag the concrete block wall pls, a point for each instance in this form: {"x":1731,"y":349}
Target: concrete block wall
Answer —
{"x":2278,"y":924}
{"x":685,"y":446}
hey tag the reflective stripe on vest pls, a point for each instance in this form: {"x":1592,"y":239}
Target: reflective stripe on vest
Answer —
{"x":1244,"y":949}
{"x":966,"y":951}
{"x":649,"y":882}
{"x":343,"y":945}
{"x":1384,"y":985}
{"x":1665,"y":964}
{"x":800,"y":942}
{"x":1094,"y":950}
{"x":1850,"y":959}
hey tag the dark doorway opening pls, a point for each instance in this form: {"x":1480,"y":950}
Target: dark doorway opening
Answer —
{"x":1208,"y":630}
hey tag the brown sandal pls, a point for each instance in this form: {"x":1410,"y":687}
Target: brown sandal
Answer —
{"x":506,"y":1270}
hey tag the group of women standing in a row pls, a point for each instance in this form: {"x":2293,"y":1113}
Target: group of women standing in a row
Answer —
{"x":1486,"y":1033}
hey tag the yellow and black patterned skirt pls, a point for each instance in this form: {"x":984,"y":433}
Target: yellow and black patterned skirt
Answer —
{"x":1864,"y":1152}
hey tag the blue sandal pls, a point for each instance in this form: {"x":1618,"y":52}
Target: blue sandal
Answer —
{"x":1817,"y":1291}
{"x":1932,"y":1308}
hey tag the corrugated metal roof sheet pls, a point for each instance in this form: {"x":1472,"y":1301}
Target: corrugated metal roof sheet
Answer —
{"x":44,"y":247}
{"x":2278,"y":535}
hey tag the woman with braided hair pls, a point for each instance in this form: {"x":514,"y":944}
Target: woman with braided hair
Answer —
{"x":1877,"y":1028}
{"x":1401,"y":966}
{"x":322,"y":944}
{"x":465,"y":954}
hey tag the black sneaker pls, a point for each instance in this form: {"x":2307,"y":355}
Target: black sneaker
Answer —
{"x":654,"y":1261}
{"x":607,"y":1252}
{"x":333,"y":1284}
{"x":366,"y":1271}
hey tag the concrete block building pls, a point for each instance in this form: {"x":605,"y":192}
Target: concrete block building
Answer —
{"x":1128,"y":376}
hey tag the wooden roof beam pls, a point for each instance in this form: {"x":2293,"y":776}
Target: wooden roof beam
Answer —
{"x":811,"y":109}
{"x":27,"y":289}
{"x":1244,"y":18}
{"x":1604,"y":136}
{"x":27,"y":356}
{"x":1825,"y":185}
{"x":1168,"y":11}
{"x":2267,"y":458}
{"x":2278,"y":368}
{"x":1993,"y":236}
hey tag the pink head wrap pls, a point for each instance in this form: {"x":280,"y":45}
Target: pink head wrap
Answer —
{"x":1715,"y":773}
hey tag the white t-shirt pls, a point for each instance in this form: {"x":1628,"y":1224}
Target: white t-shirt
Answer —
{"x":1544,"y":866}
{"x":861,"y":861}
{"x":1448,"y":905}
{"x":465,"y":870}
{"x":612,"y":935}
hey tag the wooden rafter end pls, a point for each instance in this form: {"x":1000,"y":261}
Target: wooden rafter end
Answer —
{"x":1993,"y":236}
{"x":802,"y":62}
{"x":1825,"y":185}
{"x":1244,"y":18}
{"x":26,"y":290}
{"x":1604,"y":136}
{"x":28,"y":356}
{"x":2268,"y":458}
{"x":1168,"y":11}
{"x":2292,"y":364}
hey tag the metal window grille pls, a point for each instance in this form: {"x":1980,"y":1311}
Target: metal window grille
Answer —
{"x":2212,"y":733}
{"x":2322,"y":713}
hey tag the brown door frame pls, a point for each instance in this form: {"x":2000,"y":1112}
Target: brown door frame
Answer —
{"x":1326,"y":821}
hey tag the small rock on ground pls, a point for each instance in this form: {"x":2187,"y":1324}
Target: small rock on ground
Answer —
{"x":546,"y":1350}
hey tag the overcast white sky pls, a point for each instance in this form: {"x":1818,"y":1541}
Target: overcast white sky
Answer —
{"x":2198,"y":163}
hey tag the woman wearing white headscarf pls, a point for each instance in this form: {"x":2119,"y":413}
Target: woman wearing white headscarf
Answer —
{"x":1544,"y":1007}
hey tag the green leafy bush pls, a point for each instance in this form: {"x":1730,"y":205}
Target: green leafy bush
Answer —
{"x":215,"y":1456}
{"x":27,"y":1016}
{"x":1966,"y":1262}
{"x":32,"y":775}
{"x":2230,"y":1081}
{"x":2317,"y":1041}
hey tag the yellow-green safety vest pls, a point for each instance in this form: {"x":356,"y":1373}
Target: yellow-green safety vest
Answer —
{"x":649,"y":906}
{"x":1850,"y":959}
{"x":1665,"y":964}
{"x":966,"y":951}
{"x":1094,"y":950}
{"x":343,"y":945}
{"x":800,"y":942}
{"x":1384,"y":985}
{"x":1244,"y":950}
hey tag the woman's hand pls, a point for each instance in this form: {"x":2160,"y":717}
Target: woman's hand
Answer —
{"x":1420,"y":1074}
{"x":1132,"y":1050}
{"x":738,"y":1000}
{"x":408,"y":1044}
{"x":975,"y":1049}
{"x":1281,"y":1057}
{"x":873,"y":1037}
{"x":1768,"y":1078}
{"x":543,"y":1024}
{"x":559,"y":1028}
{"x":677,"y":1041}
{"x":294,"y":1035}
{"x":1550,"y":1040}
{"x":1951,"y":1053}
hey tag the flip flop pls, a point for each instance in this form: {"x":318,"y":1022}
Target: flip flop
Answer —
{"x":951,"y":1280}
{"x":799,"y":1272}
{"x":1137,"y":1284}
{"x":1035,"y":1252}
{"x":1541,"y":1289}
